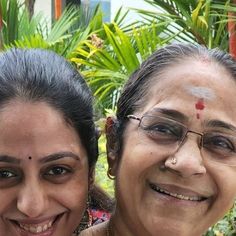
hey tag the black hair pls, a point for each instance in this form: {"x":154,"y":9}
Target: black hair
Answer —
{"x":135,"y":92}
{"x":41,"y":75}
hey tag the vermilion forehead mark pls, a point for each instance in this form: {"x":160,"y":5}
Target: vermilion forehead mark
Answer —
{"x":199,"y":106}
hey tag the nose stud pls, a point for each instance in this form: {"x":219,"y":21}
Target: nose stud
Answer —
{"x":173,"y":160}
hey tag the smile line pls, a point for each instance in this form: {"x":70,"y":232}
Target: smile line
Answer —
{"x":176,"y":195}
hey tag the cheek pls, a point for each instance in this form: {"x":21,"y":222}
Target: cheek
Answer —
{"x":225,"y":180}
{"x":227,"y":188}
{"x":75,"y":189}
{"x":7,"y":199}
{"x":74,"y":194}
{"x":75,"y":199}
{"x":140,"y":156}
{"x":137,"y":161}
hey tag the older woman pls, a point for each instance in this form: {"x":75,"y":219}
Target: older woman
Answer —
{"x":172,"y":149}
{"x":48,"y":144}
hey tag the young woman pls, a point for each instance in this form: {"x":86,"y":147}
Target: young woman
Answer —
{"x":172,"y":148}
{"x":48,"y":144}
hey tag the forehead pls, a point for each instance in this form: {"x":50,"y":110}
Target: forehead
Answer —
{"x":198,"y":71}
{"x":198,"y":77}
{"x":18,"y":111}
{"x":35,"y":129}
{"x":190,"y":80}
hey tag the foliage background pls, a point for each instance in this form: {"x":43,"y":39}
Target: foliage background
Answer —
{"x":106,"y":53}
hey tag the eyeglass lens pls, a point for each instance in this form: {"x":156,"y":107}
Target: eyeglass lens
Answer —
{"x":170,"y":135}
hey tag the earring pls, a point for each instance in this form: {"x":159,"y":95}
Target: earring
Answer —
{"x":110,"y":176}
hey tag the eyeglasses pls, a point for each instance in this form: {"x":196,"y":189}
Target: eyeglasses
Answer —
{"x":170,"y":135}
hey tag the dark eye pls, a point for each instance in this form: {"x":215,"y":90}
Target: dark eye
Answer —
{"x":219,"y":143}
{"x":6,"y":174}
{"x":58,"y":174}
{"x":9,"y":177}
{"x":165,"y":132}
{"x":57,"y":170}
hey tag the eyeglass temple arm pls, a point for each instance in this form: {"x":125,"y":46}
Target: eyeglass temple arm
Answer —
{"x":133,"y":117}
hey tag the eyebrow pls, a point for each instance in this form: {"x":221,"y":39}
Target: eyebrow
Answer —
{"x":170,"y":113}
{"x":221,"y":124}
{"x":59,"y":155}
{"x":49,"y":158}
{"x":9,"y":159}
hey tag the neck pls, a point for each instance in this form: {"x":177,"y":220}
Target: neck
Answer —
{"x":118,"y":227}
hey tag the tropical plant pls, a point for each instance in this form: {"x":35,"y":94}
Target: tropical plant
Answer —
{"x":202,"y":21}
{"x":102,"y":167}
{"x":107,"y":65}
{"x":226,"y":226}
{"x":16,"y":22}
{"x":18,"y":29}
{"x":30,"y":6}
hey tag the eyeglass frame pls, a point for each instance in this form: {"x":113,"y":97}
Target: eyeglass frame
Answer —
{"x":181,"y":141}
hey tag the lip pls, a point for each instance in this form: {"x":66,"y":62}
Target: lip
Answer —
{"x":22,"y":225}
{"x":178,"y":193}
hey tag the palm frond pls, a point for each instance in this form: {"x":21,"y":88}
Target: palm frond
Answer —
{"x":106,"y":68}
{"x":201,"y":21}
{"x":63,"y":24}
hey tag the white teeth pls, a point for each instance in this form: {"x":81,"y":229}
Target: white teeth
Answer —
{"x":32,"y":229}
{"x":36,"y":229}
{"x":179,"y":196}
{"x":39,"y":229}
{"x":45,"y":227}
{"x":49,"y":224}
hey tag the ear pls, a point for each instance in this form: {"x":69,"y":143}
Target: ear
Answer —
{"x":112,"y":145}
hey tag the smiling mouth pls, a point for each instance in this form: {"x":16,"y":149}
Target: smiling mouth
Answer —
{"x":37,"y":228}
{"x":176,"y":195}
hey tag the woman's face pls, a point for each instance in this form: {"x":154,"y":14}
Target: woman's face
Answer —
{"x":156,"y":196}
{"x":43,"y":172}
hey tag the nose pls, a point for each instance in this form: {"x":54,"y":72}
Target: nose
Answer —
{"x":31,"y":200}
{"x":189,"y":161}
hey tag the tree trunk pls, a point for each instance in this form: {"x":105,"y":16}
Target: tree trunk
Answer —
{"x":30,"y":7}
{"x":58,"y":8}
{"x":232,"y":32}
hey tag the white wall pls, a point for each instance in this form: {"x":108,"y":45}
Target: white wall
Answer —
{"x":45,"y":7}
{"x":140,"y":4}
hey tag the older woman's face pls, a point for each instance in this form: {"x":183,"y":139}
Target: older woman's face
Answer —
{"x":43,"y":172}
{"x":159,"y":195}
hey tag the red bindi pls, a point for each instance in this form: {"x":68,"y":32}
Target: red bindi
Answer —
{"x":199,"y":107}
{"x":200,"y":104}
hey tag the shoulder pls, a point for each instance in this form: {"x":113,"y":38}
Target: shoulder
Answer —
{"x":97,"y":230}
